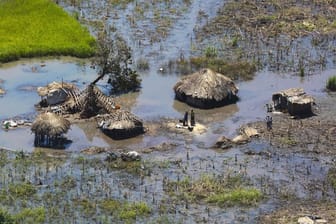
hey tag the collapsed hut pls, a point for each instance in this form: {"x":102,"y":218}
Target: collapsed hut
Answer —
{"x":95,"y":102}
{"x":91,"y":102}
{"x":295,"y":101}
{"x":55,"y":93}
{"x":49,"y":129}
{"x":206,"y":89}
{"x":121,"y":124}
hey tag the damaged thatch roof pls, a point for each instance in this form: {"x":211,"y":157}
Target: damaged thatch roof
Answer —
{"x":44,"y":91}
{"x":206,"y":85}
{"x":50,"y":124}
{"x":122,"y":124}
{"x":294,"y":96}
{"x":94,"y":101}
{"x":122,"y":119}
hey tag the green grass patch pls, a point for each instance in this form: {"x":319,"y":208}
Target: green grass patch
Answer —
{"x":238,"y":196}
{"x":40,"y":28}
{"x":22,"y":190}
{"x":288,"y":141}
{"x":331,"y":83}
{"x":5,"y":216}
{"x":235,"y":70}
{"x":27,"y":215}
{"x":332,"y":177}
{"x":31,"y":215}
{"x":228,"y":191}
{"x":124,"y":210}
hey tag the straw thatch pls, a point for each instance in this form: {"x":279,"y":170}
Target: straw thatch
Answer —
{"x":56,"y":93}
{"x":95,"y":102}
{"x":122,"y":124}
{"x":49,"y":128}
{"x":206,"y":89}
{"x":90,"y":102}
{"x":294,"y":100}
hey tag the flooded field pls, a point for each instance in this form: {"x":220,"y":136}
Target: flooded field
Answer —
{"x":73,"y":186}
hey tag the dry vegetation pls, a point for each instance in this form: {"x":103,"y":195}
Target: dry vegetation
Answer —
{"x":274,"y":34}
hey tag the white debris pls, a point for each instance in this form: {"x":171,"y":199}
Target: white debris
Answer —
{"x":10,"y":123}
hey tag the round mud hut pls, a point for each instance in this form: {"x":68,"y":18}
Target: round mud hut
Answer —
{"x":206,"y":89}
{"x":49,"y":129}
{"x":121,"y":124}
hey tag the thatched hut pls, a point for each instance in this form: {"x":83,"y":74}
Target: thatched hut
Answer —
{"x":55,"y":93}
{"x":122,"y":124}
{"x":49,"y":129}
{"x":206,"y":89}
{"x":294,"y":100}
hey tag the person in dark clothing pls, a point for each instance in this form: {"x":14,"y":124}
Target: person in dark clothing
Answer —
{"x":269,"y":122}
{"x":185,"y":120}
{"x":192,"y":118}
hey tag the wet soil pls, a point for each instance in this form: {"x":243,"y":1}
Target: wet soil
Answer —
{"x":325,"y":210}
{"x":313,"y":134}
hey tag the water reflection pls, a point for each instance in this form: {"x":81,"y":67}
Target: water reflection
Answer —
{"x":207,"y":116}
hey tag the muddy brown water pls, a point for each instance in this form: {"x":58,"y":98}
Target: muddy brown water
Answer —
{"x":154,"y":101}
{"x":278,"y":176}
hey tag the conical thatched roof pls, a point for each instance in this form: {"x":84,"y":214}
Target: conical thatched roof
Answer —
{"x":122,"y":124}
{"x":206,"y":88}
{"x":50,"y":124}
{"x":44,"y":91}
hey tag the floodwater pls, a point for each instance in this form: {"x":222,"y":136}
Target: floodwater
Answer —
{"x":156,"y":100}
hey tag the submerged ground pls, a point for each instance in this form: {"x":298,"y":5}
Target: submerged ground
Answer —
{"x":291,"y":167}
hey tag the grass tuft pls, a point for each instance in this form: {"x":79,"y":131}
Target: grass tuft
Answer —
{"x":228,"y":191}
{"x":124,"y":210}
{"x":331,"y":83}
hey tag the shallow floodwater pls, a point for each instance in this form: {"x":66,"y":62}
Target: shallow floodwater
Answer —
{"x":154,"y":101}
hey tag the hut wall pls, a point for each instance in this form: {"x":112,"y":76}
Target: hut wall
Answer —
{"x":204,"y":104}
{"x":280,"y":102}
{"x":297,"y":109}
{"x":56,"y":97}
{"x":119,"y":134}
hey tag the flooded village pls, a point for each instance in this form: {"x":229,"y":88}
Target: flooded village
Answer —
{"x":229,"y":117}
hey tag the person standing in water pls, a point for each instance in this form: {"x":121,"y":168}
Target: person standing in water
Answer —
{"x":185,"y":120}
{"x":192,"y":118}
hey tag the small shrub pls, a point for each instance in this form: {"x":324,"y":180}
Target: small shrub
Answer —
{"x":127,"y":215}
{"x":6,"y":217}
{"x":211,"y":52}
{"x":31,"y":215}
{"x":331,"y":83}
{"x":22,"y":190}
{"x":332,"y":177}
